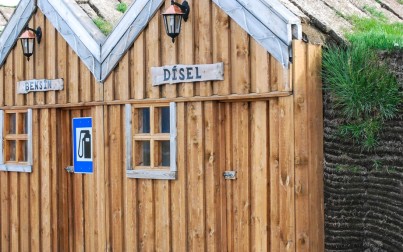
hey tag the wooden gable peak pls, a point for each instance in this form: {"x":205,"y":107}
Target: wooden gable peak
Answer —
{"x":98,"y":53}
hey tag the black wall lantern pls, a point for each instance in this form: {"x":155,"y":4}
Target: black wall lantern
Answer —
{"x":28,"y":40}
{"x":173,"y":18}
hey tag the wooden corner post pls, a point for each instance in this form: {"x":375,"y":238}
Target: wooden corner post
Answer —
{"x":308,"y":146}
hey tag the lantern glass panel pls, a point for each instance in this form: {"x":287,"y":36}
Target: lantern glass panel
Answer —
{"x":172,"y":24}
{"x":166,"y":24}
{"x":27,"y":46}
{"x":178,"y":22}
{"x":169,"y":24}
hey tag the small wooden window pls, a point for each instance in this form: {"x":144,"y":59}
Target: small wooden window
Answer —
{"x":16,"y":135}
{"x":151,"y":141}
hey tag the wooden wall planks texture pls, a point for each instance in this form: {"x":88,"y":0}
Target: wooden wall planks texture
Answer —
{"x":274,"y":144}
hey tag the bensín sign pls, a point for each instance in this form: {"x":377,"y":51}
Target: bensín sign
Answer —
{"x":26,"y":86}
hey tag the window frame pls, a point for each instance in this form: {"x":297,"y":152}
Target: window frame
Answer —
{"x":169,"y":173}
{"x":25,"y":166}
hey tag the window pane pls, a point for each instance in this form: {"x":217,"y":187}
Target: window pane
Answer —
{"x":22,"y":150}
{"x":164,"y":153}
{"x":11,"y":123}
{"x":142,"y":153}
{"x":10,"y":153}
{"x":22,"y":123}
{"x":164,"y":113}
{"x":143,"y":120}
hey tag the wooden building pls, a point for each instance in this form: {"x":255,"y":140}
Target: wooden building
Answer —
{"x":159,"y":152}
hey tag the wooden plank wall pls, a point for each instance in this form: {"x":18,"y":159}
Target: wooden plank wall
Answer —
{"x":275,"y":146}
{"x":271,"y":205}
{"x":187,"y":214}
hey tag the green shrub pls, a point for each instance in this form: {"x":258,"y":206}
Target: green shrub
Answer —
{"x":103,"y":25}
{"x":362,"y":89}
{"x":121,"y":7}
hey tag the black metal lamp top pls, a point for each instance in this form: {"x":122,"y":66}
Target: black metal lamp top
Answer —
{"x":173,"y":17}
{"x":185,"y":8}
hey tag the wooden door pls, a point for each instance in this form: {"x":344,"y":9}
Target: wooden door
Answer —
{"x":77,"y":202}
{"x":244,"y":136}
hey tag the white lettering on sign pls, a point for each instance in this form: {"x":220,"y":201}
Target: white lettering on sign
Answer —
{"x":24,"y":87}
{"x":187,"y":73}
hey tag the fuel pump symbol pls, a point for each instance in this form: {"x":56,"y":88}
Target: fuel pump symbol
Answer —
{"x":84,"y":144}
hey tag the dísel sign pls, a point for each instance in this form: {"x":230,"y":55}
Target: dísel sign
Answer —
{"x":82,"y":145}
{"x":187,"y":73}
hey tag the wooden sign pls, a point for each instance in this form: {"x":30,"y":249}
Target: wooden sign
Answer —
{"x":187,"y":73}
{"x":24,"y":87}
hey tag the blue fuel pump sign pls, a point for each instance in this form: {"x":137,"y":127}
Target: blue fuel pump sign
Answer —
{"x":82,"y":145}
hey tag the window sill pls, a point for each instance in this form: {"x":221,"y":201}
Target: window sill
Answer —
{"x":151,"y":174}
{"x":16,"y":168}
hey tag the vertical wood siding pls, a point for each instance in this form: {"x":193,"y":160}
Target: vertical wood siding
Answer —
{"x":274,"y":145}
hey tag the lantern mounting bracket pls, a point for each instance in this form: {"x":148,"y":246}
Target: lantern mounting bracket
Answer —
{"x":38,"y":33}
{"x":185,"y":8}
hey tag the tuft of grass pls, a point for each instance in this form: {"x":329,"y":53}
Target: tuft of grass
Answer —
{"x":340,"y":14}
{"x":375,"y":13}
{"x":376,"y":33}
{"x":121,"y":7}
{"x":400,"y":1}
{"x":365,"y":132}
{"x":354,"y":169}
{"x":377,"y":164}
{"x":361,"y":85}
{"x":103,"y":25}
{"x":392,"y":169}
{"x":363,"y":89}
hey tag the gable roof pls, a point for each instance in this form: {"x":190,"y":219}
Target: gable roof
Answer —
{"x":267,"y":21}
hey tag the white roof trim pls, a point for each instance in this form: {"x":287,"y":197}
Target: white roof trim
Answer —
{"x":271,"y":24}
{"x":16,"y":24}
{"x":54,"y":10}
